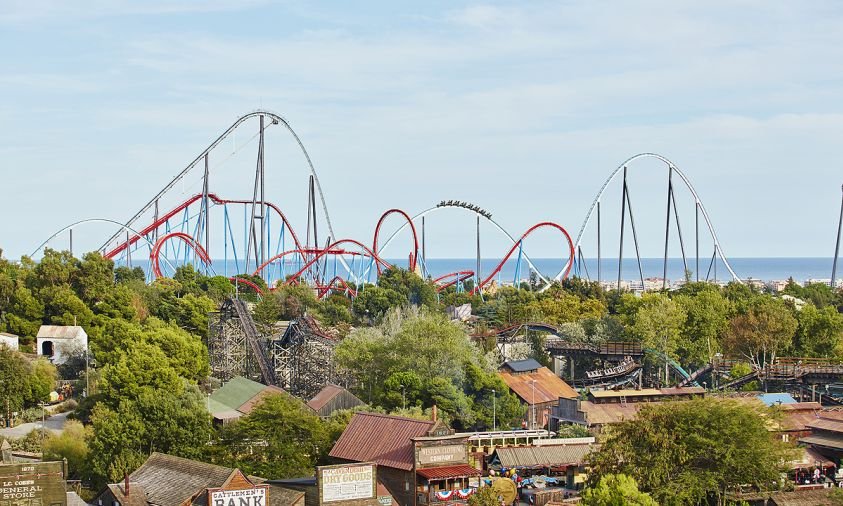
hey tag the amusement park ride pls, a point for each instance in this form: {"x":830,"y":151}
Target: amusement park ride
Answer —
{"x":205,"y":229}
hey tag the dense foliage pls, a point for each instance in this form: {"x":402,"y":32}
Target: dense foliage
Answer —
{"x":692,"y":451}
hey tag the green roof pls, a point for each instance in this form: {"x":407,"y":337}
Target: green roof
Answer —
{"x":234,"y":394}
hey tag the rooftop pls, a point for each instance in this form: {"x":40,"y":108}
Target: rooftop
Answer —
{"x":327,"y":394}
{"x":60,"y":332}
{"x":383,"y":439}
{"x":525,"y":365}
{"x":239,"y":397}
{"x":548,"y":387}
{"x":777,"y":398}
{"x":646,"y":392}
{"x":542,"y":456}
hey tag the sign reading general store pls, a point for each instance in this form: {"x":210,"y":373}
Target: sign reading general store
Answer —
{"x":255,"y":496}
{"x":32,"y":484}
{"x":442,"y":454}
{"x":347,"y":482}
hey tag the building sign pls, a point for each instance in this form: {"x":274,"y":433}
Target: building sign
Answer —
{"x":442,"y":454}
{"x":347,"y":482}
{"x":246,"y":497}
{"x":32,"y":484}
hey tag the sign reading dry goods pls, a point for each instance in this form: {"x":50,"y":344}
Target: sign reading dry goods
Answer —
{"x":442,"y":454}
{"x":32,"y":484}
{"x":347,"y":482}
{"x":246,"y":497}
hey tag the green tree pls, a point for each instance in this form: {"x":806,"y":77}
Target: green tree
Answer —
{"x":281,"y":438}
{"x":410,"y":285}
{"x":372,"y":302}
{"x":707,"y":320}
{"x":616,"y":490}
{"x":758,"y":334}
{"x":658,"y":323}
{"x":819,"y":332}
{"x":689,"y":452}
{"x":484,"y":496}
{"x":14,"y":380}
{"x":71,"y":444}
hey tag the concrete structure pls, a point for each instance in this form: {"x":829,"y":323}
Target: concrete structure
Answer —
{"x":59,"y":343}
{"x":164,"y":480}
{"x":9,"y":340}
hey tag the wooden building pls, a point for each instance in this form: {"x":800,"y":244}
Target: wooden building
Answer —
{"x":165,"y":480}
{"x":420,"y":462}
{"x":537,"y":387}
{"x":333,"y":398}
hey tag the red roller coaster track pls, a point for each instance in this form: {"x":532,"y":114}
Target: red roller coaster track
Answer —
{"x":189,"y":240}
{"x":415,"y":253}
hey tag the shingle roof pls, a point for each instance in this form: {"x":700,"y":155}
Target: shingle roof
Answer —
{"x":137,"y":495}
{"x":525,"y":365}
{"x":544,"y":455}
{"x":170,"y":480}
{"x":60,"y":331}
{"x":548,"y":387}
{"x":383,"y":439}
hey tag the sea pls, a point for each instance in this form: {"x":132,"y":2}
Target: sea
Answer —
{"x":801,"y":269}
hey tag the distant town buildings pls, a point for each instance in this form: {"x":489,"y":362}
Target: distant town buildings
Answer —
{"x":537,"y":387}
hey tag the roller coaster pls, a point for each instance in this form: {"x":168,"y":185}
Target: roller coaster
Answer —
{"x":230,"y":237}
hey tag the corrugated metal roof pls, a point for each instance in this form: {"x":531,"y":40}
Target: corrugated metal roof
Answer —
{"x":545,"y":455}
{"x":602,"y":414}
{"x":237,"y":392}
{"x":827,"y":441}
{"x":525,"y":365}
{"x":324,"y":396}
{"x":827,"y":425}
{"x":60,"y":332}
{"x":548,"y":386}
{"x":438,"y":473}
{"x":777,"y":398}
{"x":383,"y":439}
{"x":256,"y":399}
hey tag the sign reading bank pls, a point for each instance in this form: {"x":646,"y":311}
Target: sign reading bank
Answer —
{"x":246,"y":497}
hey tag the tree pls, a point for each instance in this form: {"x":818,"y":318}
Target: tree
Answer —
{"x":484,"y":496}
{"x":410,"y":285}
{"x":616,"y":490}
{"x":372,"y":302}
{"x":761,"y":331}
{"x":14,"y":380}
{"x":658,"y":323}
{"x":281,"y":438}
{"x":71,"y":444}
{"x":688,"y":452}
{"x":819,"y":332}
{"x":707,"y":320}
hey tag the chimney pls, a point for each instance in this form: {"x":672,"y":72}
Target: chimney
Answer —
{"x":125,"y":484}
{"x":433,"y":413}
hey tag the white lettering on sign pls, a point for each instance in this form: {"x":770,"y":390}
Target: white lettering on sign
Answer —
{"x":245,"y":497}
{"x":348,"y":483}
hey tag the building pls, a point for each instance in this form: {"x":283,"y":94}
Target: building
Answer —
{"x":165,"y":480}
{"x":537,"y":387}
{"x":605,"y":407}
{"x":419,"y":462}
{"x":562,"y":459}
{"x":333,"y":398}
{"x":10,"y":340}
{"x":59,"y":343}
{"x":239,"y":397}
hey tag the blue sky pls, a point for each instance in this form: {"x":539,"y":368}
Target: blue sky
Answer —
{"x":523,"y":109}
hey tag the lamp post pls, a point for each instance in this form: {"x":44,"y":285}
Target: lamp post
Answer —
{"x":494,"y":411}
{"x":533,"y":406}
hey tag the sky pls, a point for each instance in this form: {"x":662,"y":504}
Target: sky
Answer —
{"x":521,"y":108}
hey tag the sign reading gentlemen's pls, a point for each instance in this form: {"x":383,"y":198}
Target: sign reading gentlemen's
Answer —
{"x":256,"y":496}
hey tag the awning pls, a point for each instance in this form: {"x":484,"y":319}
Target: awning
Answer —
{"x":447,"y":472}
{"x":835,"y":443}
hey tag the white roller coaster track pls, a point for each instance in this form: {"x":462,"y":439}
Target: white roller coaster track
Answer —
{"x":718,"y":249}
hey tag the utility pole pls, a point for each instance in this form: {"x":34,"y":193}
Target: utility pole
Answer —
{"x":494,"y":411}
{"x":533,"y":406}
{"x":403,"y":398}
{"x":837,"y":246}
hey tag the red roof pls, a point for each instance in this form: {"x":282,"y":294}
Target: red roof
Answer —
{"x":440,"y":473}
{"x":383,"y":439}
{"x":548,"y":386}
